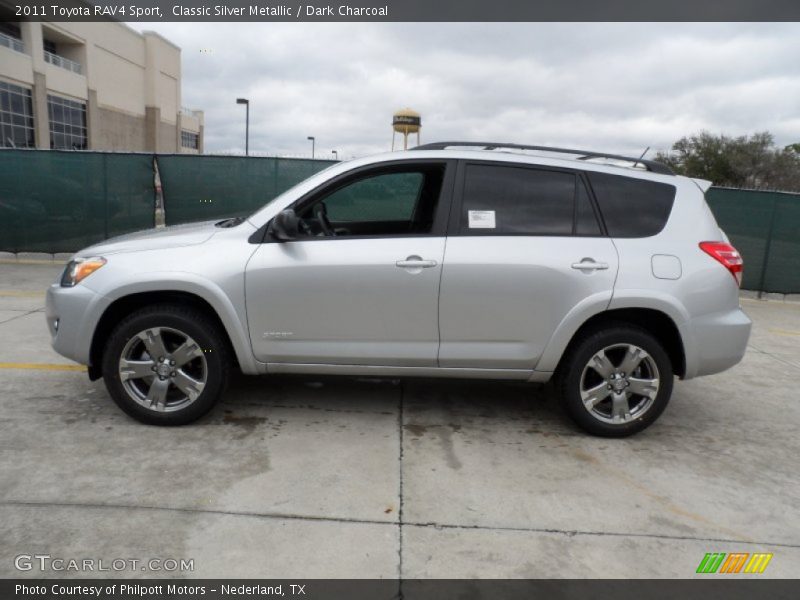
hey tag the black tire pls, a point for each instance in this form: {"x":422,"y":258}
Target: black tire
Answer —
{"x":569,"y":378}
{"x":190,"y":322}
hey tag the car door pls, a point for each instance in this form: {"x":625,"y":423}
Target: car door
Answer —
{"x":524,"y":248}
{"x":365,"y":293}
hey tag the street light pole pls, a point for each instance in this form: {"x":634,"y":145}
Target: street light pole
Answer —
{"x":313,"y":139}
{"x":246,"y":102}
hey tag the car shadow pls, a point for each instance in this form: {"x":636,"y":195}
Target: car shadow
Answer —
{"x":421,"y":400}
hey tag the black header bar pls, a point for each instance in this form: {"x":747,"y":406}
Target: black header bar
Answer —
{"x":711,"y":588}
{"x":404,"y":10}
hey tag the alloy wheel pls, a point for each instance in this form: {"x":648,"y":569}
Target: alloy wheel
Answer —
{"x":619,"y":384}
{"x":163,"y":369}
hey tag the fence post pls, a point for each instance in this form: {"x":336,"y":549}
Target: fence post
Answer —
{"x":768,"y":246}
{"x":160,"y":216}
{"x":105,"y":196}
{"x":275,"y":179}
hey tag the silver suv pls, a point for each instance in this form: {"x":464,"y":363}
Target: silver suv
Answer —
{"x":607,"y":274}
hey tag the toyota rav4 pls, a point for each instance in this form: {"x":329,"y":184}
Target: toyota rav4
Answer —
{"x":607,"y":274}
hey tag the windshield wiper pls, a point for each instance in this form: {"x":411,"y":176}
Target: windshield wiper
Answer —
{"x":232,"y":222}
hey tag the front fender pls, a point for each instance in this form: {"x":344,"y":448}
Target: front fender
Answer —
{"x":232,"y":315}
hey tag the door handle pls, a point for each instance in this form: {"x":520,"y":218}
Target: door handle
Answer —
{"x":415,"y":262}
{"x":589,"y":264}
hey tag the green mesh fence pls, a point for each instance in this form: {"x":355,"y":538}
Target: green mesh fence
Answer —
{"x":54,"y":201}
{"x":198,"y":188}
{"x":765,"y":228}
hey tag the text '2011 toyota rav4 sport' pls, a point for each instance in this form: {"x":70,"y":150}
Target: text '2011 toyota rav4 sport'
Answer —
{"x":468,"y":260}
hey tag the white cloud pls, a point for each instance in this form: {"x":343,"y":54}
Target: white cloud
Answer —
{"x":616,"y":87}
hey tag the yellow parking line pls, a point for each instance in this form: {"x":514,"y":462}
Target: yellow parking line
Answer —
{"x":20,"y":294}
{"x":41,"y":366}
{"x":784,"y":332}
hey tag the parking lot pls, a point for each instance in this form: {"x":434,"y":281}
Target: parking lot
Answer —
{"x":347,"y":478}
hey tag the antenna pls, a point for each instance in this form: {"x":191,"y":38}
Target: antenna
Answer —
{"x":638,"y":160}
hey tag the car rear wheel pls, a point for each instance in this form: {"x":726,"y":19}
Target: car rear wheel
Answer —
{"x":616,"y":381}
{"x":166,"y":364}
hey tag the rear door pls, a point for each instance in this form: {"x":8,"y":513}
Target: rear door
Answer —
{"x":525,"y":246}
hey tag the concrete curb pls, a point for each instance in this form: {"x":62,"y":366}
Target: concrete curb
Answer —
{"x":34,"y":258}
{"x":769,"y":296}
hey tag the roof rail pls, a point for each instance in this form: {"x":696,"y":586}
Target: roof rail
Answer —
{"x":650,"y":165}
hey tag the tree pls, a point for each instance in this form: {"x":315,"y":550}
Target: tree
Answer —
{"x":752,"y":162}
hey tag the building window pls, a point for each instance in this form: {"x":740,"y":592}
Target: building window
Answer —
{"x":190,"y":140}
{"x":67,"y":124}
{"x":10,"y":37}
{"x":16,"y":117}
{"x":11,"y":29}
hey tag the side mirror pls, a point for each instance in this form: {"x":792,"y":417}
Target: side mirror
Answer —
{"x":285,"y":227}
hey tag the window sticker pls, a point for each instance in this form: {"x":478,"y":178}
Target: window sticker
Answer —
{"x":481,"y":219}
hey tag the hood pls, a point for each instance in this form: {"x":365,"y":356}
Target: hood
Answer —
{"x":154,"y":239}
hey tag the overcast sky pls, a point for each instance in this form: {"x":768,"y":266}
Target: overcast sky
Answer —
{"x":613,"y":87}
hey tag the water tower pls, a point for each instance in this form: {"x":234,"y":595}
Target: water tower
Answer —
{"x":406,"y":121}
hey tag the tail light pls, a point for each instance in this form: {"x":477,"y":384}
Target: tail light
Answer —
{"x":727,"y":255}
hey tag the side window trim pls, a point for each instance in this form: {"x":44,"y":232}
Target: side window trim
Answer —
{"x":454,"y":218}
{"x":454,"y":222}
{"x":575,"y":199}
{"x":595,"y":207}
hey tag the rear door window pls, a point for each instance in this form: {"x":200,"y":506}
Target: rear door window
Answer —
{"x":507,"y":200}
{"x":632,"y":208}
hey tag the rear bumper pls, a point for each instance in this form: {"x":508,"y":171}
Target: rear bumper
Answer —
{"x":718,"y":342}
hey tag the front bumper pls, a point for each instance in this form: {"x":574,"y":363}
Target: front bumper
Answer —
{"x":72,"y":315}
{"x":719,"y":341}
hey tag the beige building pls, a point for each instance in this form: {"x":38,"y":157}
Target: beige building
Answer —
{"x":93,"y":86}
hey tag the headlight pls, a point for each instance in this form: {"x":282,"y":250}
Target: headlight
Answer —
{"x":79,"y":269}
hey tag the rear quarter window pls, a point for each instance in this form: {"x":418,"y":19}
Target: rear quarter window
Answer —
{"x":632,"y":208}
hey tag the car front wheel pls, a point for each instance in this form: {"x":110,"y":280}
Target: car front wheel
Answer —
{"x":616,"y":381}
{"x":166,"y":364}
